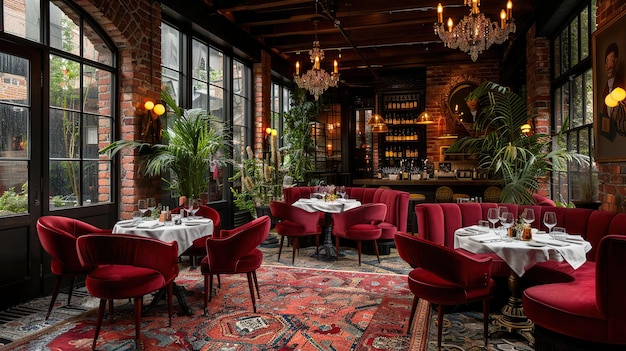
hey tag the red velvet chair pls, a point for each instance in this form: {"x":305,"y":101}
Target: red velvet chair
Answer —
{"x":198,"y":249}
{"x":58,"y":237}
{"x":235,"y":251}
{"x":124,"y":266}
{"x":445,"y":277}
{"x":590,"y":311}
{"x":360,"y":224}
{"x":293,"y":223}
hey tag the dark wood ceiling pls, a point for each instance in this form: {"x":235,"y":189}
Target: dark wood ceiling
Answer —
{"x":367,"y":37}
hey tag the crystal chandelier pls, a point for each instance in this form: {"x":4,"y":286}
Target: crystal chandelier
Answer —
{"x":316,"y":80}
{"x":475,"y":33}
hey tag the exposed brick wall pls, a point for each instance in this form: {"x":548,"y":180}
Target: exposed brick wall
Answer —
{"x":134,"y":27}
{"x":538,"y":89}
{"x":262,"y":99}
{"x":612,"y":175}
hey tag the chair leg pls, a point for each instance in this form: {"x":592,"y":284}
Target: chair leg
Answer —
{"x":138,"y":303}
{"x":317,"y":246}
{"x":280,"y":248}
{"x":71,"y":287}
{"x":256,"y":283}
{"x":294,"y":241}
{"x":486,"y":320}
{"x":413,"y":308}
{"x":376,"y":250}
{"x":249,"y":275}
{"x":337,"y":247}
{"x":208,"y":287}
{"x":358,"y":247}
{"x":55,"y":292}
{"x":170,"y":292}
{"x":439,"y":325}
{"x":111,"y":311}
{"x":103,"y":303}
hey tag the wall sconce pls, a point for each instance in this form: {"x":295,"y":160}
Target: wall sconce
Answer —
{"x":526,"y":128}
{"x":151,"y":125}
{"x":158,"y":109}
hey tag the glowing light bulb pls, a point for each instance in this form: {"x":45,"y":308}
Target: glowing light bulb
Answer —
{"x":159,"y":109}
{"x":149,"y":105}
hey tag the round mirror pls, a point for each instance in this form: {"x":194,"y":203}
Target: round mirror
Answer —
{"x":458,"y":108}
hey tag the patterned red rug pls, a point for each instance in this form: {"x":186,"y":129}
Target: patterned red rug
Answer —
{"x":300,"y":309}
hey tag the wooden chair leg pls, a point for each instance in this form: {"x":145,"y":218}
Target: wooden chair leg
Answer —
{"x":358,"y":247}
{"x":71,"y":287}
{"x":413,"y":308}
{"x":376,"y":250}
{"x":249,"y":275}
{"x":256,"y":283}
{"x":103,"y":303}
{"x":439,"y":325}
{"x":208,"y":288}
{"x":317,"y":246}
{"x":294,"y":242}
{"x":337,"y":247}
{"x":111,"y":311}
{"x":138,"y":303}
{"x":280,"y":248}
{"x":55,"y":292}
{"x":170,"y":292}
{"x":486,"y":320}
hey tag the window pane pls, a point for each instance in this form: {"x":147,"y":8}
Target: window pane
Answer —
{"x":14,"y":137}
{"x":216,"y":74}
{"x":240,"y":79}
{"x":64,"y":31}
{"x":90,"y":184}
{"x":64,"y":134}
{"x":95,"y":128}
{"x":64,"y":184}
{"x":565,"y":43}
{"x":200,"y":60}
{"x":94,"y":47}
{"x":577,"y":102}
{"x":64,"y":83}
{"x":23,"y":18}
{"x":588,"y":78}
{"x":13,"y":187}
{"x":14,"y":72}
{"x":199,"y":95}
{"x":170,"y":41}
{"x":565,"y":105}
{"x":574,"y":42}
{"x":558,"y":69}
{"x":216,"y":102}
{"x":584,"y":34}
{"x":558,"y":107}
{"x":171,"y":83}
{"x":97,"y":90}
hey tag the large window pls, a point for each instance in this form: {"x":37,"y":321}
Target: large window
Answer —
{"x":214,"y":81}
{"x":573,"y":105}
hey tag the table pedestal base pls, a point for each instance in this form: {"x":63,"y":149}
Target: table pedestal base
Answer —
{"x":179,"y":291}
{"x":513,"y":318}
{"x":327,"y":250}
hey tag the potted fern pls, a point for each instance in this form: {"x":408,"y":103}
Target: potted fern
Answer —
{"x":516,"y":160}
{"x":188,"y":149}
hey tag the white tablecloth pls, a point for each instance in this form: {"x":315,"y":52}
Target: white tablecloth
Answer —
{"x":521,"y":255}
{"x":315,"y":205}
{"x":184,"y":233}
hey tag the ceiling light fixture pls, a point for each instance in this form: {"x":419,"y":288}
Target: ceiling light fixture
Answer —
{"x":425,"y":118}
{"x":316,"y":80}
{"x":475,"y":33}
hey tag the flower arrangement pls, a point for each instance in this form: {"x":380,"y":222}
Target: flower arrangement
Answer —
{"x":261,"y":178}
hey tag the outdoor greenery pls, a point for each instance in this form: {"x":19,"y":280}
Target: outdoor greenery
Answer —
{"x":188,"y":148}
{"x":516,"y":159}
{"x":12,"y":202}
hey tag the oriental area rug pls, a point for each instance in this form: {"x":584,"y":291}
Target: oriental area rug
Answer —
{"x":300,"y":309}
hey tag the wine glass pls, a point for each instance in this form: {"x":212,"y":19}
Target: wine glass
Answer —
{"x":151,"y":204}
{"x":194,"y":207}
{"x":501,"y":211}
{"x":528,"y":216}
{"x":549,"y":220}
{"x":507,"y":220}
{"x":492,"y":216}
{"x":142,"y":206}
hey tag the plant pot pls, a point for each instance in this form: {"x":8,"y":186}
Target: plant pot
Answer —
{"x":592,"y":205}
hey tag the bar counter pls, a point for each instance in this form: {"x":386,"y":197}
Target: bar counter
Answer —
{"x":471,"y":187}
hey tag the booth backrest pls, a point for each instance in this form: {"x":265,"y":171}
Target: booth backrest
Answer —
{"x":438,"y":221}
{"x":397,"y":201}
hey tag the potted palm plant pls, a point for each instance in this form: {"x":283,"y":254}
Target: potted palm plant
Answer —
{"x":516,"y":159}
{"x":187,"y":151}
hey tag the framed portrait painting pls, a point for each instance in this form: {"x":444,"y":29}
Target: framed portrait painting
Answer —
{"x":609,"y":70}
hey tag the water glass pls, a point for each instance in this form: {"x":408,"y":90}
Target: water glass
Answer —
{"x":558,"y":233}
{"x":492,"y":216}
{"x":483,"y":224}
{"x":137,"y":215}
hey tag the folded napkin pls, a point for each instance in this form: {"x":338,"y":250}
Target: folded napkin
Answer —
{"x":483,"y":238}
{"x":199,"y":221}
{"x":149,"y":224}
{"x":574,"y":237}
{"x":551,"y":242}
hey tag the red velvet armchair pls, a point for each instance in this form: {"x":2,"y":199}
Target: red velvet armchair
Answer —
{"x":199,"y":245}
{"x":592,"y":312}
{"x":235,"y":251}
{"x":123,"y":266}
{"x":293,"y":223}
{"x":58,"y":237}
{"x":444,"y":276}
{"x":360,"y":224}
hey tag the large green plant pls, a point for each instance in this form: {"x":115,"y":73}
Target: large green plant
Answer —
{"x":188,"y":148}
{"x":299,"y":144}
{"x":516,"y":159}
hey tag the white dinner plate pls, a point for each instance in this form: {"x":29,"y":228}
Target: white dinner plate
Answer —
{"x":192,"y":224}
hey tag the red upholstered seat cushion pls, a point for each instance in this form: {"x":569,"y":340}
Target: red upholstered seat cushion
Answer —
{"x":290,"y":228}
{"x":435,"y":289}
{"x":123,"y":281}
{"x":363,"y":231}
{"x":388,"y":230}
{"x":246,"y":263}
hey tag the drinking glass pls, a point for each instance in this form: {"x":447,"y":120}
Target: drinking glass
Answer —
{"x":194,"y":207}
{"x":528,"y":215}
{"x":507,"y":220}
{"x":502,"y":210}
{"x":484,"y":224}
{"x":151,"y":205}
{"x":549,"y":220}
{"x":142,"y":206}
{"x":492,"y":216}
{"x":137,"y":216}
{"x":342,"y":192}
{"x":558,"y":233}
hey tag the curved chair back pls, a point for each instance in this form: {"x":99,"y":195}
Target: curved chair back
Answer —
{"x":372,"y":213}
{"x":492,"y":194}
{"x":309,"y":221}
{"x":443,"y":194}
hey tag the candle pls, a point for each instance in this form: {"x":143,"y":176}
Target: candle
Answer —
{"x":297,"y":68}
{"x":450,"y":24}
{"x":439,"y":13}
{"x":502,"y":18}
{"x":509,"y":9}
{"x":456,"y":108}
{"x":474,"y":6}
{"x":316,"y":65}
{"x":335,"y":67}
